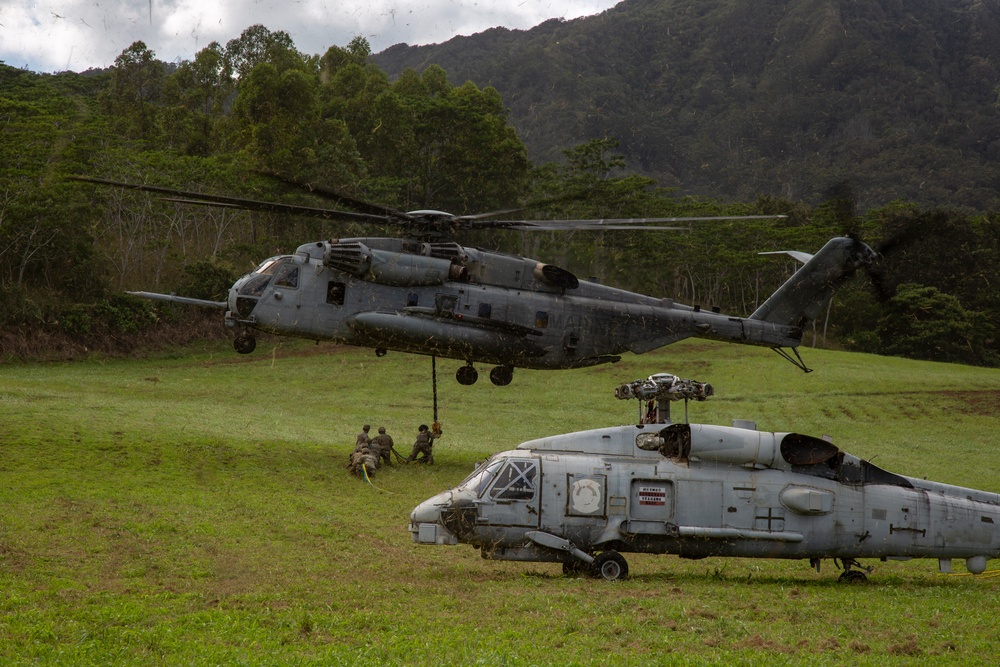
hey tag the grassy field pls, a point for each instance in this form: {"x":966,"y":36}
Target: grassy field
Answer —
{"x":194,"y":509}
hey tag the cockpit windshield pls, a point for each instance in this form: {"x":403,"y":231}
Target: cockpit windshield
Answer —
{"x":481,"y":477}
{"x":268,"y":266}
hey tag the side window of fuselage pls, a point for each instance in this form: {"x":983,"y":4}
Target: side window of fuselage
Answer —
{"x":516,"y":481}
{"x":445,"y":303}
{"x":335,"y":293}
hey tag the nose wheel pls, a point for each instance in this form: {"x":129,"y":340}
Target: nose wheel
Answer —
{"x":467,"y":375}
{"x":245,"y":343}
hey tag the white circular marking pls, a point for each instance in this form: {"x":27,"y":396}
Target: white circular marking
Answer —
{"x":586,"y":496}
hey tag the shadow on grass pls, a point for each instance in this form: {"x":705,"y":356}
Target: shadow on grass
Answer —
{"x":876,"y":582}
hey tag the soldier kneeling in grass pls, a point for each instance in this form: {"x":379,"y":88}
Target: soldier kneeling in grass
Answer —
{"x":363,"y":462}
{"x":384,"y":443}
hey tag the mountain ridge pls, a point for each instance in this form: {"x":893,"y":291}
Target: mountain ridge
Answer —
{"x":731,"y":99}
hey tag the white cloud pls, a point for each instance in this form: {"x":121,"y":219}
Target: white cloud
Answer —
{"x":56,"y":35}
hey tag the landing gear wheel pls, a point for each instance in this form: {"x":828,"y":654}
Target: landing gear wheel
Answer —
{"x":381,"y":351}
{"x":574,"y":568}
{"x":610,"y":566}
{"x":501,"y":375}
{"x":245,"y":343}
{"x":467,"y":375}
{"x":853,"y":577}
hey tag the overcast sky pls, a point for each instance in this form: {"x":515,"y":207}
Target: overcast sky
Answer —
{"x":58,"y":35}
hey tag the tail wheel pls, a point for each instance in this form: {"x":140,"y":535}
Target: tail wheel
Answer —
{"x":610,"y":566}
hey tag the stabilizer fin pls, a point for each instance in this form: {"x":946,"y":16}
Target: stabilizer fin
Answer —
{"x":807,"y":293}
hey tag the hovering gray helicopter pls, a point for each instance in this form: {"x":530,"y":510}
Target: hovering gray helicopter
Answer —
{"x":439,"y":298}
{"x":699,"y":490}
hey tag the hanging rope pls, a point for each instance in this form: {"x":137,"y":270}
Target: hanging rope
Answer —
{"x":434,"y":384}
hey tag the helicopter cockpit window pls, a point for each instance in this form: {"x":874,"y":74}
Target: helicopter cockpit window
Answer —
{"x":481,"y":477}
{"x":287,"y":276}
{"x":516,"y":481}
{"x":255,"y":286}
{"x":268,"y":266}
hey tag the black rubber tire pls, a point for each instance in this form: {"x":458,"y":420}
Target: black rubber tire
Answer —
{"x":501,"y":376}
{"x":467,"y":375}
{"x":853,"y":577}
{"x":610,"y":566}
{"x":245,"y":344}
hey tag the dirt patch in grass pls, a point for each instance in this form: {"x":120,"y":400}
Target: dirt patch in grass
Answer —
{"x":908,"y":647}
{"x":977,"y":402}
{"x":758,"y":643}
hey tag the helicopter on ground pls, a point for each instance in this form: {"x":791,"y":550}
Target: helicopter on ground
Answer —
{"x":699,"y":490}
{"x":429,"y":295}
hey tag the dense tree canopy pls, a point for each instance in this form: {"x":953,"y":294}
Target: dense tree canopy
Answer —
{"x":213,"y":124}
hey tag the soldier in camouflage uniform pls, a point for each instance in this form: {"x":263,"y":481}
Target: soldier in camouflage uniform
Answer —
{"x":363,"y":461}
{"x":424,"y":446}
{"x":384,"y":443}
{"x":362,"y":440}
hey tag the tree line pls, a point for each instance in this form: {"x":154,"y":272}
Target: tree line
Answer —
{"x":68,"y":250}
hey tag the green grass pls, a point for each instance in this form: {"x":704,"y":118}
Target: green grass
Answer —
{"x":195,"y":509}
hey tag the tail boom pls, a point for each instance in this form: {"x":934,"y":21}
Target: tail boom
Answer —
{"x":805,"y":295}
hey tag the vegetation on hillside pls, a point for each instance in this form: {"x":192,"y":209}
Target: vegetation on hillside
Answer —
{"x":68,"y":250}
{"x":734,"y":99}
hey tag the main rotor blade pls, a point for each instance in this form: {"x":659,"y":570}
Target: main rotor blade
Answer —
{"x":420,"y":222}
{"x":490,"y":214}
{"x":201,"y":199}
{"x":323,"y":191}
{"x":612,"y":223}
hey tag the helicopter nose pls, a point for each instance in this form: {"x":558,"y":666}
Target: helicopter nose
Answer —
{"x":425,"y":521}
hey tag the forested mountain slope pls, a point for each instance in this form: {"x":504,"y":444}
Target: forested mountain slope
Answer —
{"x":736,"y":98}
{"x":69,"y":250}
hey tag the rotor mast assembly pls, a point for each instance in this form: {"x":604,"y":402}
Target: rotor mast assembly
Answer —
{"x":655,"y":393}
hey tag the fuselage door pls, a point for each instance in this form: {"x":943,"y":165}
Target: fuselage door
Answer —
{"x":513,"y":499}
{"x":651,"y":506}
{"x":699,"y":503}
{"x":283,"y":305}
